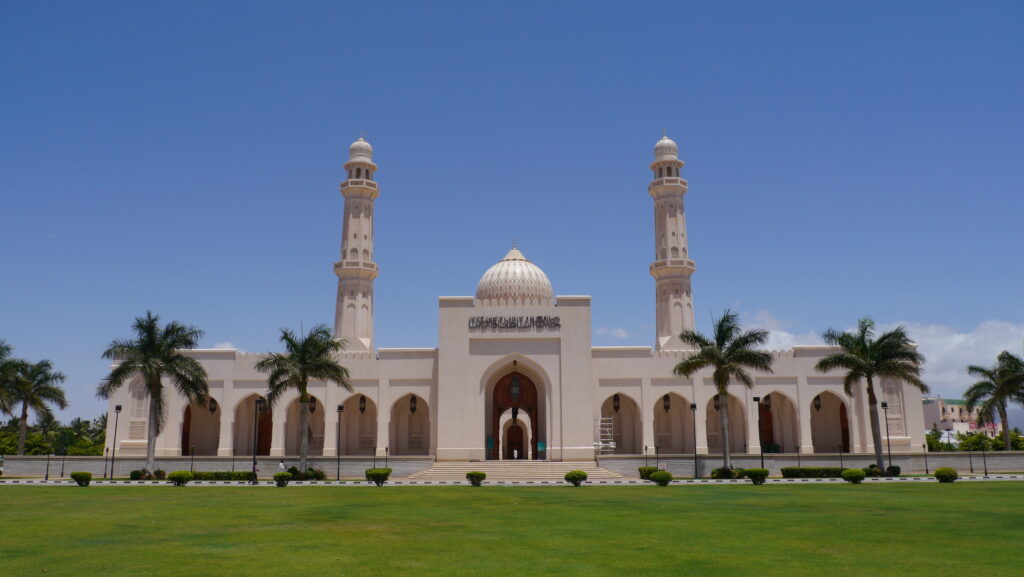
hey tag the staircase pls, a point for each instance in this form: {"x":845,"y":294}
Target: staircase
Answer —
{"x":502,"y":471}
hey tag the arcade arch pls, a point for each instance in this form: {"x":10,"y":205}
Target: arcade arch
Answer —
{"x":359,"y":426}
{"x":200,"y":428}
{"x":830,"y":424}
{"x":315,"y":432}
{"x":246,"y":425}
{"x":625,"y":416}
{"x":737,"y":426}
{"x":410,"y":426}
{"x":673,"y":425}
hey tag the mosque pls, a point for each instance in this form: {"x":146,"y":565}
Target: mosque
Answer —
{"x":514,"y":373}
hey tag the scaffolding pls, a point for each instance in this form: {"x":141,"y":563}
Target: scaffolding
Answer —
{"x":605,"y":433}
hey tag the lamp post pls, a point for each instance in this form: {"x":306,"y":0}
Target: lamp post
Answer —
{"x":760,"y":441}
{"x":925,"y":447}
{"x":113,"y":446}
{"x":337,"y":441}
{"x":386,"y":451}
{"x":192,"y":461}
{"x":696,"y":469}
{"x":47,"y":476}
{"x":888,"y":443}
{"x":840,"y":447}
{"x":984,"y":461}
{"x":645,"y":455}
{"x":62,"y":457}
{"x":255,"y":434}
{"x":106,"y":451}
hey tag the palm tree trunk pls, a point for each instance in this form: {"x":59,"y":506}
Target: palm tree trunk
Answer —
{"x":151,"y":437}
{"x":723,"y":417}
{"x":23,"y":428}
{"x":1006,"y":427}
{"x":303,"y":434}
{"x":876,"y":428}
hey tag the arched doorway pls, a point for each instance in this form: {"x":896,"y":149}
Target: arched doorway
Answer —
{"x":200,"y":428}
{"x":515,"y":441}
{"x":673,"y":425}
{"x":245,"y":412}
{"x":737,"y":426}
{"x":830,"y":426}
{"x":625,"y":416}
{"x":514,"y":392}
{"x":779,"y":429}
{"x":315,"y":433}
{"x":359,"y":426}
{"x":410,"y":426}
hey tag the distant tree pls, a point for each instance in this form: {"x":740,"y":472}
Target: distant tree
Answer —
{"x":154,"y":353}
{"x":9,"y":367}
{"x":36,"y":387}
{"x":934,"y":439}
{"x":306,"y":357}
{"x":999,"y":385}
{"x":863,"y":357}
{"x":731,"y":353}
{"x":973,"y":442}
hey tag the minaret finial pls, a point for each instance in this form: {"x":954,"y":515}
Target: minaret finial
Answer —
{"x":664,"y":133}
{"x":362,"y":134}
{"x":513,"y":243}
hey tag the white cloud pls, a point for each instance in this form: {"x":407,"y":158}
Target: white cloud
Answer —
{"x":612,"y":332}
{"x":946,"y":350}
{"x":228,"y":345}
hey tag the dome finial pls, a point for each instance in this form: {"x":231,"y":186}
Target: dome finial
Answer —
{"x":513,"y":243}
{"x":664,"y":133}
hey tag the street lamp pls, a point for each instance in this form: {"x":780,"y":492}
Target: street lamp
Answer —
{"x":106,"y":453}
{"x":840,"y":447}
{"x":192,"y":460}
{"x":888,"y":443}
{"x":113,"y":446}
{"x":47,"y":476}
{"x":255,"y":433}
{"x":925,"y":447}
{"x":693,"y":412}
{"x":984,"y":445}
{"x":337,"y":441}
{"x":760,"y":441}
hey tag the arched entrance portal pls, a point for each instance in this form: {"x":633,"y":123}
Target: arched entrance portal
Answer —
{"x":200,"y":428}
{"x":245,"y":423}
{"x":830,"y":427}
{"x":516,"y":394}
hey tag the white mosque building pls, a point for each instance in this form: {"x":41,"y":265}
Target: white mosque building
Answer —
{"x":514,"y":373}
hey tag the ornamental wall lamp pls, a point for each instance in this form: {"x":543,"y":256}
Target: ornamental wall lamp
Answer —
{"x":362,"y":404}
{"x":666,"y":403}
{"x":616,"y":402}
{"x":412,"y":404}
{"x":817,"y":403}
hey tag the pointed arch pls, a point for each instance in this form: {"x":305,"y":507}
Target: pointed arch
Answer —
{"x":359,"y":427}
{"x":830,"y":425}
{"x":246,"y":426}
{"x":778,"y":424}
{"x":200,"y":428}
{"x":625,"y":423}
{"x":317,"y":419}
{"x":409,"y":428}
{"x":673,"y":429}
{"x":737,"y":426}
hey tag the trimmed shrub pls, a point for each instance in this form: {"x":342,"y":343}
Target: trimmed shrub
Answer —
{"x":892,"y":471}
{"x":81,"y":478}
{"x":378,"y":476}
{"x":946,"y":474}
{"x":476,"y":478}
{"x":756,"y":476}
{"x":160,"y":474}
{"x":811,"y":472}
{"x":282,"y":478}
{"x":645,"y":472}
{"x":576,"y":477}
{"x":222,"y":476}
{"x":180,"y":478}
{"x":135,"y":475}
{"x":872,"y":470}
{"x":723,"y":473}
{"x":854,"y":476}
{"x":662,"y":478}
{"x":294,"y":471}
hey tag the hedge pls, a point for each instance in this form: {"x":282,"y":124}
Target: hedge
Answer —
{"x":854,"y":476}
{"x":811,"y":472}
{"x":180,"y":478}
{"x":378,"y":476}
{"x":662,"y":478}
{"x":222,"y":476}
{"x":576,"y":477}
{"x":756,"y":476}
{"x":81,"y":478}
{"x":645,"y":472}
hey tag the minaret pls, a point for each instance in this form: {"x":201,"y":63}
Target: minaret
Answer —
{"x":672,"y":266}
{"x":353,"y":318}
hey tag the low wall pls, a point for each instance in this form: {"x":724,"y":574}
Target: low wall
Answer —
{"x":682,"y":466}
{"x":35,"y":466}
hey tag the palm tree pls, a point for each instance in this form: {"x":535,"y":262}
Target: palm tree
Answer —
{"x":892,"y":355}
{"x":8,"y":370}
{"x":154,"y":353}
{"x":309,"y":356}
{"x":999,"y":386}
{"x":36,"y":386}
{"x":731,"y":353}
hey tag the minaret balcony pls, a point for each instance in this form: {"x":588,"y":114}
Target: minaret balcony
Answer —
{"x":356,"y":268}
{"x":667,"y":264}
{"x":358,"y":183}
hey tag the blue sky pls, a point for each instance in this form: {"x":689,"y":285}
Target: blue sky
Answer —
{"x":843,"y":160}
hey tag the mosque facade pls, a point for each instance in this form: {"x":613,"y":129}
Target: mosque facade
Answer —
{"x":515,"y":375}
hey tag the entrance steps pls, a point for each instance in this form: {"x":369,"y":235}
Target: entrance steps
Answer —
{"x":501,"y":471}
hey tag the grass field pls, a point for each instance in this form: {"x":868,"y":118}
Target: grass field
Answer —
{"x":876,"y":530}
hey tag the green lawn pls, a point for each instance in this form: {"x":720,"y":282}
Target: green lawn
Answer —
{"x":876,"y":530}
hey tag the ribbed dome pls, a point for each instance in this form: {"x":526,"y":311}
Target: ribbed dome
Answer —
{"x":360,"y":151}
{"x":666,"y":149}
{"x":514,"y":281}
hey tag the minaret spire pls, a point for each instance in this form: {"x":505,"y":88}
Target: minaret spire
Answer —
{"x":356,"y":270}
{"x":672,"y":266}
